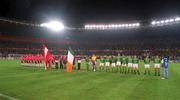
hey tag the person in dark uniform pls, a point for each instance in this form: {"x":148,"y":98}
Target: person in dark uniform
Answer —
{"x":79,"y":63}
{"x":56,"y":63}
{"x":74,"y":64}
{"x":64,"y":61}
{"x":165,"y":61}
{"x":61,"y":62}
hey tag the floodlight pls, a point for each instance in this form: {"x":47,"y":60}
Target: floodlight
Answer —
{"x":137,"y":24}
{"x":87,"y":26}
{"x":162,"y":21}
{"x":177,"y":19}
{"x":119,"y":25}
{"x":109,"y":26}
{"x":171,"y":20}
{"x":157,"y":22}
{"x":153,"y":22}
{"x":126,"y":25}
{"x":115,"y":25}
{"x":130,"y":25}
{"x":123,"y":25}
{"x":112,"y":25}
{"x":167,"y":20}
{"x":53,"y":25}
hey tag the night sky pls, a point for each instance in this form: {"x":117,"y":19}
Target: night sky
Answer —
{"x":89,"y":11}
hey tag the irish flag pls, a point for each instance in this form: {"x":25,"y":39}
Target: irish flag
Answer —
{"x":70,"y":59}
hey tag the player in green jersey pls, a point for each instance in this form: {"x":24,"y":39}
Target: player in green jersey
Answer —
{"x":130,"y":64}
{"x":118,"y":62}
{"x":113,"y":64}
{"x":136,"y":65}
{"x":107,"y":63}
{"x":87,"y":60}
{"x":124,"y":64}
{"x":147,"y":65}
{"x":157,"y":64}
{"x":102,"y":63}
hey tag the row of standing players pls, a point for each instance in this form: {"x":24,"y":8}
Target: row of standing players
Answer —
{"x":123,"y":64}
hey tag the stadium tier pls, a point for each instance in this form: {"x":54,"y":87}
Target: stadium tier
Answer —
{"x":155,"y":41}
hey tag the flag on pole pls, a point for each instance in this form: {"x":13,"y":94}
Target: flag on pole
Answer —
{"x":70,"y":59}
{"x":47,"y":55}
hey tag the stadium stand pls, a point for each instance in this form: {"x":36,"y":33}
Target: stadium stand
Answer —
{"x":17,"y":39}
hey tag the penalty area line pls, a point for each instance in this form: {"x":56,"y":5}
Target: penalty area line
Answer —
{"x":7,"y":97}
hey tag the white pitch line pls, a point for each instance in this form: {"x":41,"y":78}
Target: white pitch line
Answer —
{"x":7,"y":97}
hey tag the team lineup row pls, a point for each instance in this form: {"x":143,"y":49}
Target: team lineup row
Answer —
{"x":123,"y":64}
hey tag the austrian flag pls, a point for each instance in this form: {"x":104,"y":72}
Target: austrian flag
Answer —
{"x":47,"y":55}
{"x":70,"y":59}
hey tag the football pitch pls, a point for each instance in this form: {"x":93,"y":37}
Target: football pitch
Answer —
{"x":28,"y":83}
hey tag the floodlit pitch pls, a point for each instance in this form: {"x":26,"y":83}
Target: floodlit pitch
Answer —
{"x":30,"y":83}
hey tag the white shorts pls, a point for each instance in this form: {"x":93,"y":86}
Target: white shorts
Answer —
{"x":124,"y":65}
{"x":79,"y":61}
{"x":135,"y":66}
{"x":107,"y":64}
{"x":113,"y":64}
{"x":118,"y":63}
{"x":130,"y":65}
{"x":156,"y":65}
{"x":147,"y":66}
{"x":101,"y":64}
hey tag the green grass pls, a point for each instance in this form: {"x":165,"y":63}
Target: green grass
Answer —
{"x":26,"y":83}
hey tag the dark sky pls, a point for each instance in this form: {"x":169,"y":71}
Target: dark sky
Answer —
{"x":89,"y":11}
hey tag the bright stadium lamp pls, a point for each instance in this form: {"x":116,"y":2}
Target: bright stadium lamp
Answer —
{"x":157,"y":22}
{"x":153,"y":22}
{"x":129,"y":25}
{"x":171,"y":20}
{"x":162,"y":21}
{"x":177,"y":19}
{"x":53,"y":25}
{"x":126,"y":25}
{"x":134,"y":25}
{"x":86,"y":26}
{"x":137,"y":24}
{"x":167,"y":21}
{"x":115,"y":25}
{"x":109,"y":25}
{"x":119,"y":25}
{"x":123,"y":25}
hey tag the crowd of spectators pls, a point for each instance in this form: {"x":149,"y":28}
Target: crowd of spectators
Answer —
{"x":101,"y":43}
{"x":36,"y":48}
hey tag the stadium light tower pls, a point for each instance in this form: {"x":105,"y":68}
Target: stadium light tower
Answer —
{"x":53,"y":25}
